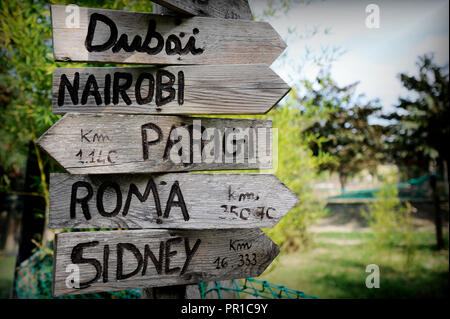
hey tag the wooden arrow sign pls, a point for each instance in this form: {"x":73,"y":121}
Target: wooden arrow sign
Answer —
{"x":236,"y":9}
{"x":95,"y":35}
{"x":212,"y":89}
{"x":110,"y":143}
{"x":177,"y":201}
{"x":115,"y":260}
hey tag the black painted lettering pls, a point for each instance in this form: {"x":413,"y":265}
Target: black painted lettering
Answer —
{"x":121,"y":88}
{"x":137,"y":88}
{"x":175,"y":190}
{"x":77,"y":258}
{"x":100,"y":194}
{"x":145,"y":142}
{"x":74,"y":200}
{"x":180,"y":88}
{"x":133,"y":190}
{"x":107,"y":90}
{"x":175,"y":41}
{"x":91,"y":31}
{"x":190,"y":45}
{"x":122,"y":43}
{"x":170,"y":254}
{"x":84,"y":136}
{"x":164,"y":87}
{"x":157,"y":262}
{"x":71,"y":88}
{"x":132,"y":248}
{"x":105,"y":262}
{"x":170,"y":143}
{"x":91,"y":81}
{"x":189,"y":253}
{"x":152,"y":34}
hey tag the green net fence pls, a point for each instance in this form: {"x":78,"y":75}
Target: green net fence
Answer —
{"x":416,"y":188}
{"x":34,"y":281}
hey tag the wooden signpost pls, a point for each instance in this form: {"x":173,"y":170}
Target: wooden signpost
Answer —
{"x":205,"y":226}
{"x":110,"y":143}
{"x":177,"y":201}
{"x":116,"y":260}
{"x":145,"y":38}
{"x":236,"y":9}
{"x":211,"y":89}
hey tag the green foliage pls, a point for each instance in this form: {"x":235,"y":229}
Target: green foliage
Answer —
{"x":390,"y":221}
{"x":343,"y":131}
{"x":298,"y":168}
{"x":421,"y":122}
{"x":26,"y":67}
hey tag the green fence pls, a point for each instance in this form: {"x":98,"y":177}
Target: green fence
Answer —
{"x":34,"y":281}
{"x":416,"y":188}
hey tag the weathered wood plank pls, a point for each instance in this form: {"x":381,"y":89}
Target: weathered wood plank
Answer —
{"x":112,"y":143}
{"x":145,"y":38}
{"x":236,"y":9}
{"x":215,"y":89}
{"x":178,"y":201}
{"x":116,"y":260}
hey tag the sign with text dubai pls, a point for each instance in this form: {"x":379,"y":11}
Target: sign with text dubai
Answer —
{"x":123,"y":133}
{"x":145,"y":38}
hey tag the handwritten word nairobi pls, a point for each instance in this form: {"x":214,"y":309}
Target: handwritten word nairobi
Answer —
{"x":122,"y":86}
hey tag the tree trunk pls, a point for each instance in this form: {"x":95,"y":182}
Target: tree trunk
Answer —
{"x":343,"y":181}
{"x":32,"y":226}
{"x":437,"y":213}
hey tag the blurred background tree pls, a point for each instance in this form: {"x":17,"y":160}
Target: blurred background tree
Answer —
{"x":420,"y":124}
{"x":344,"y":131}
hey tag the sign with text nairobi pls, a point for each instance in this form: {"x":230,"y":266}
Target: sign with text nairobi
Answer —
{"x":130,"y":37}
{"x":198,"y":89}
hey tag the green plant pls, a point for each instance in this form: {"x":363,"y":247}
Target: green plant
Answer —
{"x":390,"y":221}
{"x":298,"y":168}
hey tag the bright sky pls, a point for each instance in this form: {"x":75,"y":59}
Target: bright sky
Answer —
{"x":374,"y":57}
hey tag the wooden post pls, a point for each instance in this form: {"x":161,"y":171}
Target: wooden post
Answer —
{"x":30,"y":225}
{"x":175,"y":292}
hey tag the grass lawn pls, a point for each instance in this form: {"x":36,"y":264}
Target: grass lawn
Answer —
{"x":7,"y":264}
{"x":335,"y":268}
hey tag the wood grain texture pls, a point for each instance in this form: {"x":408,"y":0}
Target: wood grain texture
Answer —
{"x":212,"y":201}
{"x":213,"y":255}
{"x":223,"y":41}
{"x":112,"y":143}
{"x":235,"y":9}
{"x":214,"y":89}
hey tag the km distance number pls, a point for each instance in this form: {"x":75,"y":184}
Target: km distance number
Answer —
{"x":244,"y":260}
{"x":246,"y":212}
